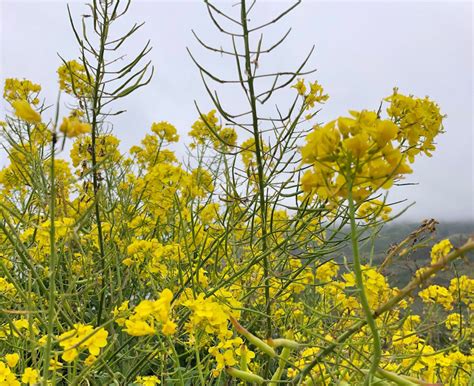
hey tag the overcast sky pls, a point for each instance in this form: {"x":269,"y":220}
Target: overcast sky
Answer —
{"x":363,"y":50}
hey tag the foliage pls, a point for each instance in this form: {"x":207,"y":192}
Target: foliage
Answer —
{"x":224,"y":268}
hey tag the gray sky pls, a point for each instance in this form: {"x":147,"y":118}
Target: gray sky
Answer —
{"x":363,"y":49}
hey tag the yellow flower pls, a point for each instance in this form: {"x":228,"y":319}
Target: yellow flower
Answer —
{"x":165,"y":131}
{"x":327,"y":271}
{"x":169,"y":327}
{"x":90,"y":360}
{"x":7,"y":378}
{"x":54,"y":365}
{"x":138,"y":328}
{"x":96,"y":342}
{"x":30,"y":376}
{"x":74,"y":80}
{"x":21,"y":89}
{"x":440,"y":250}
{"x":462,"y":289}
{"x":437,"y":294}
{"x":12,"y":359}
{"x":82,"y":337}
{"x":70,"y":354}
{"x":300,"y":87}
{"x":148,"y":312}
{"x":373,"y":209}
{"x":148,"y":380}
{"x":72,"y":127}
{"x":23,"y":110}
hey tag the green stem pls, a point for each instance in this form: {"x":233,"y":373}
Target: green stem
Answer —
{"x":52,"y":269}
{"x":377,"y":347}
{"x":95,"y":114}
{"x":258,"y":154}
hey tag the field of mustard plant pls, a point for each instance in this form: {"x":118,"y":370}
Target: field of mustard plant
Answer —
{"x":217,"y":269}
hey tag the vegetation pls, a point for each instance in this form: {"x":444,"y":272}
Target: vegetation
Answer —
{"x":259,"y":259}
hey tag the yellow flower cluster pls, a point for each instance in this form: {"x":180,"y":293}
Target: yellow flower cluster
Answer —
{"x":374,"y":209}
{"x":23,"y":110}
{"x":202,"y":129}
{"x":107,"y":152}
{"x":364,"y":152}
{"x":82,"y":337}
{"x":227,"y":352}
{"x":462,"y":289}
{"x":6,"y":288}
{"x":419,"y":120}
{"x":73,"y":125}
{"x":437,"y":294}
{"x":440,"y":250}
{"x":165,"y":131}
{"x":41,"y":236}
{"x":30,"y":376}
{"x":74,"y":79}
{"x":16,"y":89}
{"x":7,"y":377}
{"x":210,"y":315}
{"x":147,"y":314}
{"x":206,"y":129}
{"x":376,"y":286}
{"x":327,"y":271}
{"x":194,"y":228}
{"x":147,"y":380}
{"x":315,"y":95}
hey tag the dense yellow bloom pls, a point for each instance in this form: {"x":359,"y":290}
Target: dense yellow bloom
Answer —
{"x":147,"y":380}
{"x":82,"y":337}
{"x":148,"y":313}
{"x":440,"y":250}
{"x":228,"y":135}
{"x":327,"y":271}
{"x":15,"y":89}
{"x":30,"y":376}
{"x":373,"y":209}
{"x":437,"y":294}
{"x":7,"y":378}
{"x":226,"y":354}
{"x":366,"y":151}
{"x":462,"y":289}
{"x":24,"y":111}
{"x":419,"y":120}
{"x":138,"y":327}
{"x":72,"y":126}
{"x":165,"y":131}
{"x":209,"y":315}
{"x":196,"y":230}
{"x":6,"y":288}
{"x":376,"y":286}
{"x":107,"y":152}
{"x":74,"y":80}
{"x":41,"y":234}
{"x":12,"y":359}
{"x":202,"y":130}
{"x":248,"y":152}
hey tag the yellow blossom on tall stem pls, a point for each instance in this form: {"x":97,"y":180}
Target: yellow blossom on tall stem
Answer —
{"x":23,"y":110}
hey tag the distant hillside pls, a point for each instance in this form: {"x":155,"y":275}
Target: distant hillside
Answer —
{"x":402,"y":268}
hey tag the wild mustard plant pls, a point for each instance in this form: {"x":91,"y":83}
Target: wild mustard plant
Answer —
{"x":224,"y":267}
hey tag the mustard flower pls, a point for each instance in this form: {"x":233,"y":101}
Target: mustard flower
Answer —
{"x":24,"y":111}
{"x":30,"y":376}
